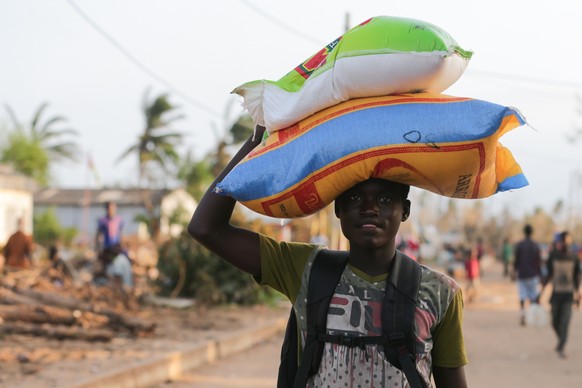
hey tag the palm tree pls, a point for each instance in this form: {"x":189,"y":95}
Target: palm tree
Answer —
{"x":156,"y":145}
{"x":46,"y":135}
{"x":235,"y":132}
{"x":33,"y":147}
{"x":577,"y":131}
{"x":198,"y":174}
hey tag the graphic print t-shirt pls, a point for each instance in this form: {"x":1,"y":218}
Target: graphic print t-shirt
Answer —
{"x":355,"y":310}
{"x":564,"y":271}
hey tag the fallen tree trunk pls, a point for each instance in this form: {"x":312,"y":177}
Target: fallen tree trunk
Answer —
{"x":57,"y":332}
{"x":37,"y":314}
{"x":9,"y":297}
{"x":54,"y":299}
{"x":116,"y":320}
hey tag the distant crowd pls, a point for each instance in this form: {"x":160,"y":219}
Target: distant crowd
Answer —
{"x":534,"y":267}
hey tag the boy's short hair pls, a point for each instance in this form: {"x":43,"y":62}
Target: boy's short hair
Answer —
{"x":402,"y":188}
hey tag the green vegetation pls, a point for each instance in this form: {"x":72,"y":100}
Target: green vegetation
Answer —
{"x":156,"y":145}
{"x":48,"y":230}
{"x":32,"y":148}
{"x":187,"y":269}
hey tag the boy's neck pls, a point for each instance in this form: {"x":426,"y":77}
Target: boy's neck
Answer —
{"x":372,"y":262}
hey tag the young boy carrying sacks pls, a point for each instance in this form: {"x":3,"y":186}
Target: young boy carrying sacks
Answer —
{"x":370,"y":214}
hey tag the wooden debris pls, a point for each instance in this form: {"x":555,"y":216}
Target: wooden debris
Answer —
{"x":58,"y":332}
{"x":37,"y":314}
{"x":36,"y":306}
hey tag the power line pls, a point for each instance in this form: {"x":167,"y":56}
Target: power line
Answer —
{"x":279,"y":23}
{"x":489,"y":74}
{"x":523,"y":78}
{"x":136,"y":62}
{"x":549,"y":158}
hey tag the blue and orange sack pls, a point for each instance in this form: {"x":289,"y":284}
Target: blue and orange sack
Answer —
{"x":444,"y":144}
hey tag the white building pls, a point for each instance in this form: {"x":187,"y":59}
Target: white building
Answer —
{"x":16,"y":202}
{"x":81,"y":209}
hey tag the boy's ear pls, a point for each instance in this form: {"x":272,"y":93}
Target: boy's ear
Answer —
{"x":405,"y":210}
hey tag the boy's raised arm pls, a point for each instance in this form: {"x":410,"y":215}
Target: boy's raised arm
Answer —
{"x":210,"y":223}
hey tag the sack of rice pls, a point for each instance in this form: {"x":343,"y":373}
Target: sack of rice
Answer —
{"x":447,"y":145}
{"x":383,"y":55}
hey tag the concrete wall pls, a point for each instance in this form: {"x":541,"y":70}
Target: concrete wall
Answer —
{"x":14,"y":204}
{"x":176,"y":202}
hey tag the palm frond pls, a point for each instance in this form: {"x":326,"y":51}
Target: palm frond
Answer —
{"x":127,"y":152}
{"x":12,"y":115}
{"x":64,"y":151}
{"x":51,"y":122}
{"x":37,"y":115}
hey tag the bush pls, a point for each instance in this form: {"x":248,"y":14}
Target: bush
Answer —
{"x":187,"y":269}
{"x":48,"y":231}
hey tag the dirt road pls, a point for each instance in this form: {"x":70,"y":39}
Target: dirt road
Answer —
{"x":502,"y":353}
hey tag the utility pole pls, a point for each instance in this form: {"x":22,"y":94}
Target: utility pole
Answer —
{"x":575,"y":198}
{"x":347,"y":22}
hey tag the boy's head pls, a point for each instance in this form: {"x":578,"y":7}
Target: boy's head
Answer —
{"x":110,"y":208}
{"x":565,"y":238}
{"x":371,"y":211}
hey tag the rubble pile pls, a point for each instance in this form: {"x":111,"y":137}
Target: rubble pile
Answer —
{"x":34,"y":302}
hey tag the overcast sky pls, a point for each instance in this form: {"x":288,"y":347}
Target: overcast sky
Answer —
{"x":93,"y":60}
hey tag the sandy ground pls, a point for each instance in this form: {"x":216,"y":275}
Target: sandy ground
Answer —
{"x":31,"y":362}
{"x":501,"y":352}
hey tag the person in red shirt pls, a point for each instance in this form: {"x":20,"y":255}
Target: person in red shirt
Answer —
{"x":18,"y":249}
{"x":472,"y":270}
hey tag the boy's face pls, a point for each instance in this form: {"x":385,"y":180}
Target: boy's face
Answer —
{"x":370,"y":213}
{"x":111,"y":208}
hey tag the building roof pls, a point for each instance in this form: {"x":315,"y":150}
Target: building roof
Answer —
{"x":10,"y":179}
{"x":82,"y":197}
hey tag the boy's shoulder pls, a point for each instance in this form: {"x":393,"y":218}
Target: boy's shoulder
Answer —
{"x":432,"y":279}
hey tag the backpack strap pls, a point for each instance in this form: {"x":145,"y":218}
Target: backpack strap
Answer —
{"x":289,"y":356}
{"x":398,"y":312}
{"x":325,"y":273}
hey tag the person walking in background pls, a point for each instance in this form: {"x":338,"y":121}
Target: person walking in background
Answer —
{"x":480,"y":252}
{"x":564,"y":273}
{"x":527,"y":270}
{"x":472,"y":271}
{"x":109,"y":228}
{"x":506,"y":255}
{"x":18,"y":249}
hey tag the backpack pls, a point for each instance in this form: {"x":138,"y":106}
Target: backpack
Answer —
{"x":398,"y":309}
